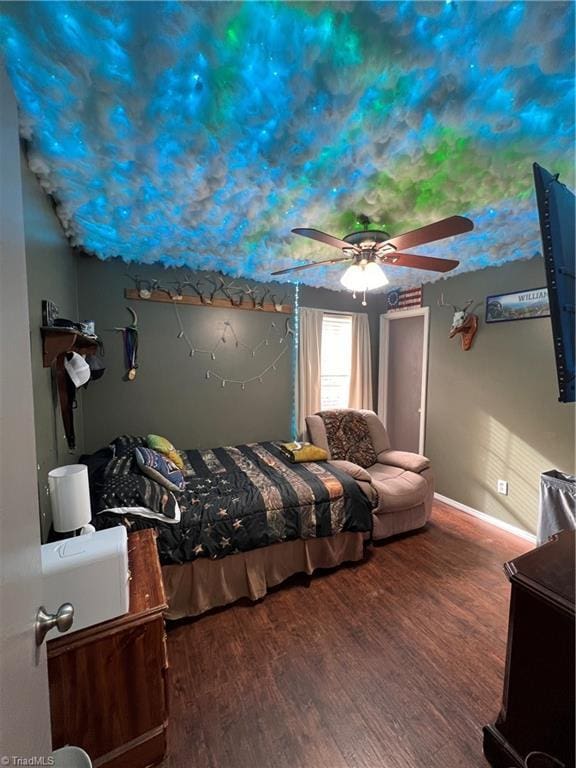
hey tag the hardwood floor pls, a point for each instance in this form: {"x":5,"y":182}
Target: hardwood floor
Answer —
{"x":396,"y":662}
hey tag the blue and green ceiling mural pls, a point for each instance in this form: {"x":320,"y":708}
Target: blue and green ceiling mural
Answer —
{"x":200,"y":133}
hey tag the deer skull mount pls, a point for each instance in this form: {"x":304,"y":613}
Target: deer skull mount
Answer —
{"x":463,"y":322}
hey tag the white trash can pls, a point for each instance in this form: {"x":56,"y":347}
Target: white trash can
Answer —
{"x":71,"y":757}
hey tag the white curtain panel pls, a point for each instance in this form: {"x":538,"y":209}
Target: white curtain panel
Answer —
{"x":361,"y":365}
{"x":310,"y":349}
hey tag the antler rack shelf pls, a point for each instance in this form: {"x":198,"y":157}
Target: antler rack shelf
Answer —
{"x":216,"y":303}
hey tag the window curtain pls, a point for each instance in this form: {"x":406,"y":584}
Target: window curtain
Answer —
{"x":309,"y":352}
{"x":361,"y":364}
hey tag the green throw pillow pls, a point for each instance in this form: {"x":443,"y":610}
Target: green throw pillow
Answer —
{"x":160,"y":444}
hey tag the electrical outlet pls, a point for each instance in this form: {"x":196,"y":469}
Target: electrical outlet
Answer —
{"x":503,"y":487}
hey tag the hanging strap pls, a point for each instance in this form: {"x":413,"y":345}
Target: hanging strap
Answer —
{"x":67,"y":399}
{"x":131,"y":350}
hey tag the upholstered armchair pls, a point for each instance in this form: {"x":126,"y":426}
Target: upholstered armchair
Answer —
{"x":400,"y":484}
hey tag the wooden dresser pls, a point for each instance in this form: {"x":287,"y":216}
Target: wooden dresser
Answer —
{"x":108,"y":686}
{"x":538,"y":703}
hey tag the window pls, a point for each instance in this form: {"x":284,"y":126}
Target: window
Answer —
{"x":336,"y":356}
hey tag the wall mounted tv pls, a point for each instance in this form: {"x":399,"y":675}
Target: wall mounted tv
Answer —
{"x":556,"y":209}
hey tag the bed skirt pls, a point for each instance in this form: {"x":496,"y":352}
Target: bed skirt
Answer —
{"x":196,"y":587}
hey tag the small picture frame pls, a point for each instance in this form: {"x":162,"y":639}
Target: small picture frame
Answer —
{"x":519,"y":305}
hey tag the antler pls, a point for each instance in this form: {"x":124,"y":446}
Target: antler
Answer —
{"x":226,"y":289}
{"x":176,"y":294}
{"x":278,"y":303}
{"x":144,"y":287}
{"x":215,"y":289}
{"x":442,"y":303}
{"x":260,"y":304}
{"x":251,"y":292}
{"x":464,"y":309}
{"x":188,"y":283}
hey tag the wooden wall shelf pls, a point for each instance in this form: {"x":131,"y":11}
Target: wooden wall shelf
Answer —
{"x":57,"y":341}
{"x":216,"y":303}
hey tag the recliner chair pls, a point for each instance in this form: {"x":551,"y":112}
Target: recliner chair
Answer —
{"x":400,"y":484}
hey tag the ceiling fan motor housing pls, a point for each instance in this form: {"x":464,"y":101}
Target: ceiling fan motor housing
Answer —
{"x":374,"y":236}
{"x":369,"y":242}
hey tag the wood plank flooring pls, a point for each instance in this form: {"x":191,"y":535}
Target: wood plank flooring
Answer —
{"x":396,"y":662}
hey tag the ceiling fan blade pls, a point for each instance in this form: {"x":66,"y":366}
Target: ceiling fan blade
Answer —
{"x":322,"y":237}
{"x":418,"y":262}
{"x":310,"y":265}
{"x":453,"y":225}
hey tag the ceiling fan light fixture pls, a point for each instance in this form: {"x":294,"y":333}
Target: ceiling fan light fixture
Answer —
{"x":363,"y":277}
{"x":353,"y":278}
{"x":374,"y":275}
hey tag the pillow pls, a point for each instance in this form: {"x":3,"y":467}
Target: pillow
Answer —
{"x":348,"y":437}
{"x":121,"y":465}
{"x":124,"y":487}
{"x":161,"y":445}
{"x":298,"y":452}
{"x":125,"y":444}
{"x":159,"y":468}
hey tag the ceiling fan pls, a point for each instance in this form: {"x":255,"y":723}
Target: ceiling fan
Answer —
{"x":368,"y":249}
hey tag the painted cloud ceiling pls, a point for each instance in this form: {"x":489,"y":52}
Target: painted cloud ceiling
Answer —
{"x":200,"y":133}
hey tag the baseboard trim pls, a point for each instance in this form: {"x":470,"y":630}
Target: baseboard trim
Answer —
{"x":508,"y":527}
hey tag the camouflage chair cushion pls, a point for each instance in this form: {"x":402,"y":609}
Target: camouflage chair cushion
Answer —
{"x":348,"y":437}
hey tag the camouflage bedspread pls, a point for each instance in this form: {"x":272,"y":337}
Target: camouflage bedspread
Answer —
{"x":248,"y":496}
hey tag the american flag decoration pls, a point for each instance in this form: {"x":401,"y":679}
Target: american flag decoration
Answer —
{"x":398,"y":300}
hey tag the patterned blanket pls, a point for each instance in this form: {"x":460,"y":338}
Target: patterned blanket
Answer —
{"x":244,"y":497}
{"x":348,"y":437}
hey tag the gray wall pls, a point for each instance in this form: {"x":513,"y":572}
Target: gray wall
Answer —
{"x":52,"y":274}
{"x":171,"y":395}
{"x":493,"y":412}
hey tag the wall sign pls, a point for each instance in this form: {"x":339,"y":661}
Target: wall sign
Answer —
{"x":522,"y":305}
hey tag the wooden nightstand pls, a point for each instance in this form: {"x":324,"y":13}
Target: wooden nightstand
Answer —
{"x":108,"y":686}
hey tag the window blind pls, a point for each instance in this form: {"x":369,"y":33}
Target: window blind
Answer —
{"x":336,"y":356}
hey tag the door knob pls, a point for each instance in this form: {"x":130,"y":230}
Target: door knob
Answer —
{"x":62,"y":619}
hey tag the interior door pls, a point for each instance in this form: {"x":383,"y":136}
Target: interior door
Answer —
{"x":24,"y":703}
{"x":403,"y":377}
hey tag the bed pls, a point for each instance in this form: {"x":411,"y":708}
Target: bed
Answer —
{"x":246,"y":520}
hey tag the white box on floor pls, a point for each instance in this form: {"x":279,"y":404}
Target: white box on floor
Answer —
{"x":89,"y":571}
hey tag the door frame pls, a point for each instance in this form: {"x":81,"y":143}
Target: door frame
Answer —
{"x":385,"y":321}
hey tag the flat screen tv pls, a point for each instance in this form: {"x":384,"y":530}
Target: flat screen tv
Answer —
{"x":556,"y":209}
